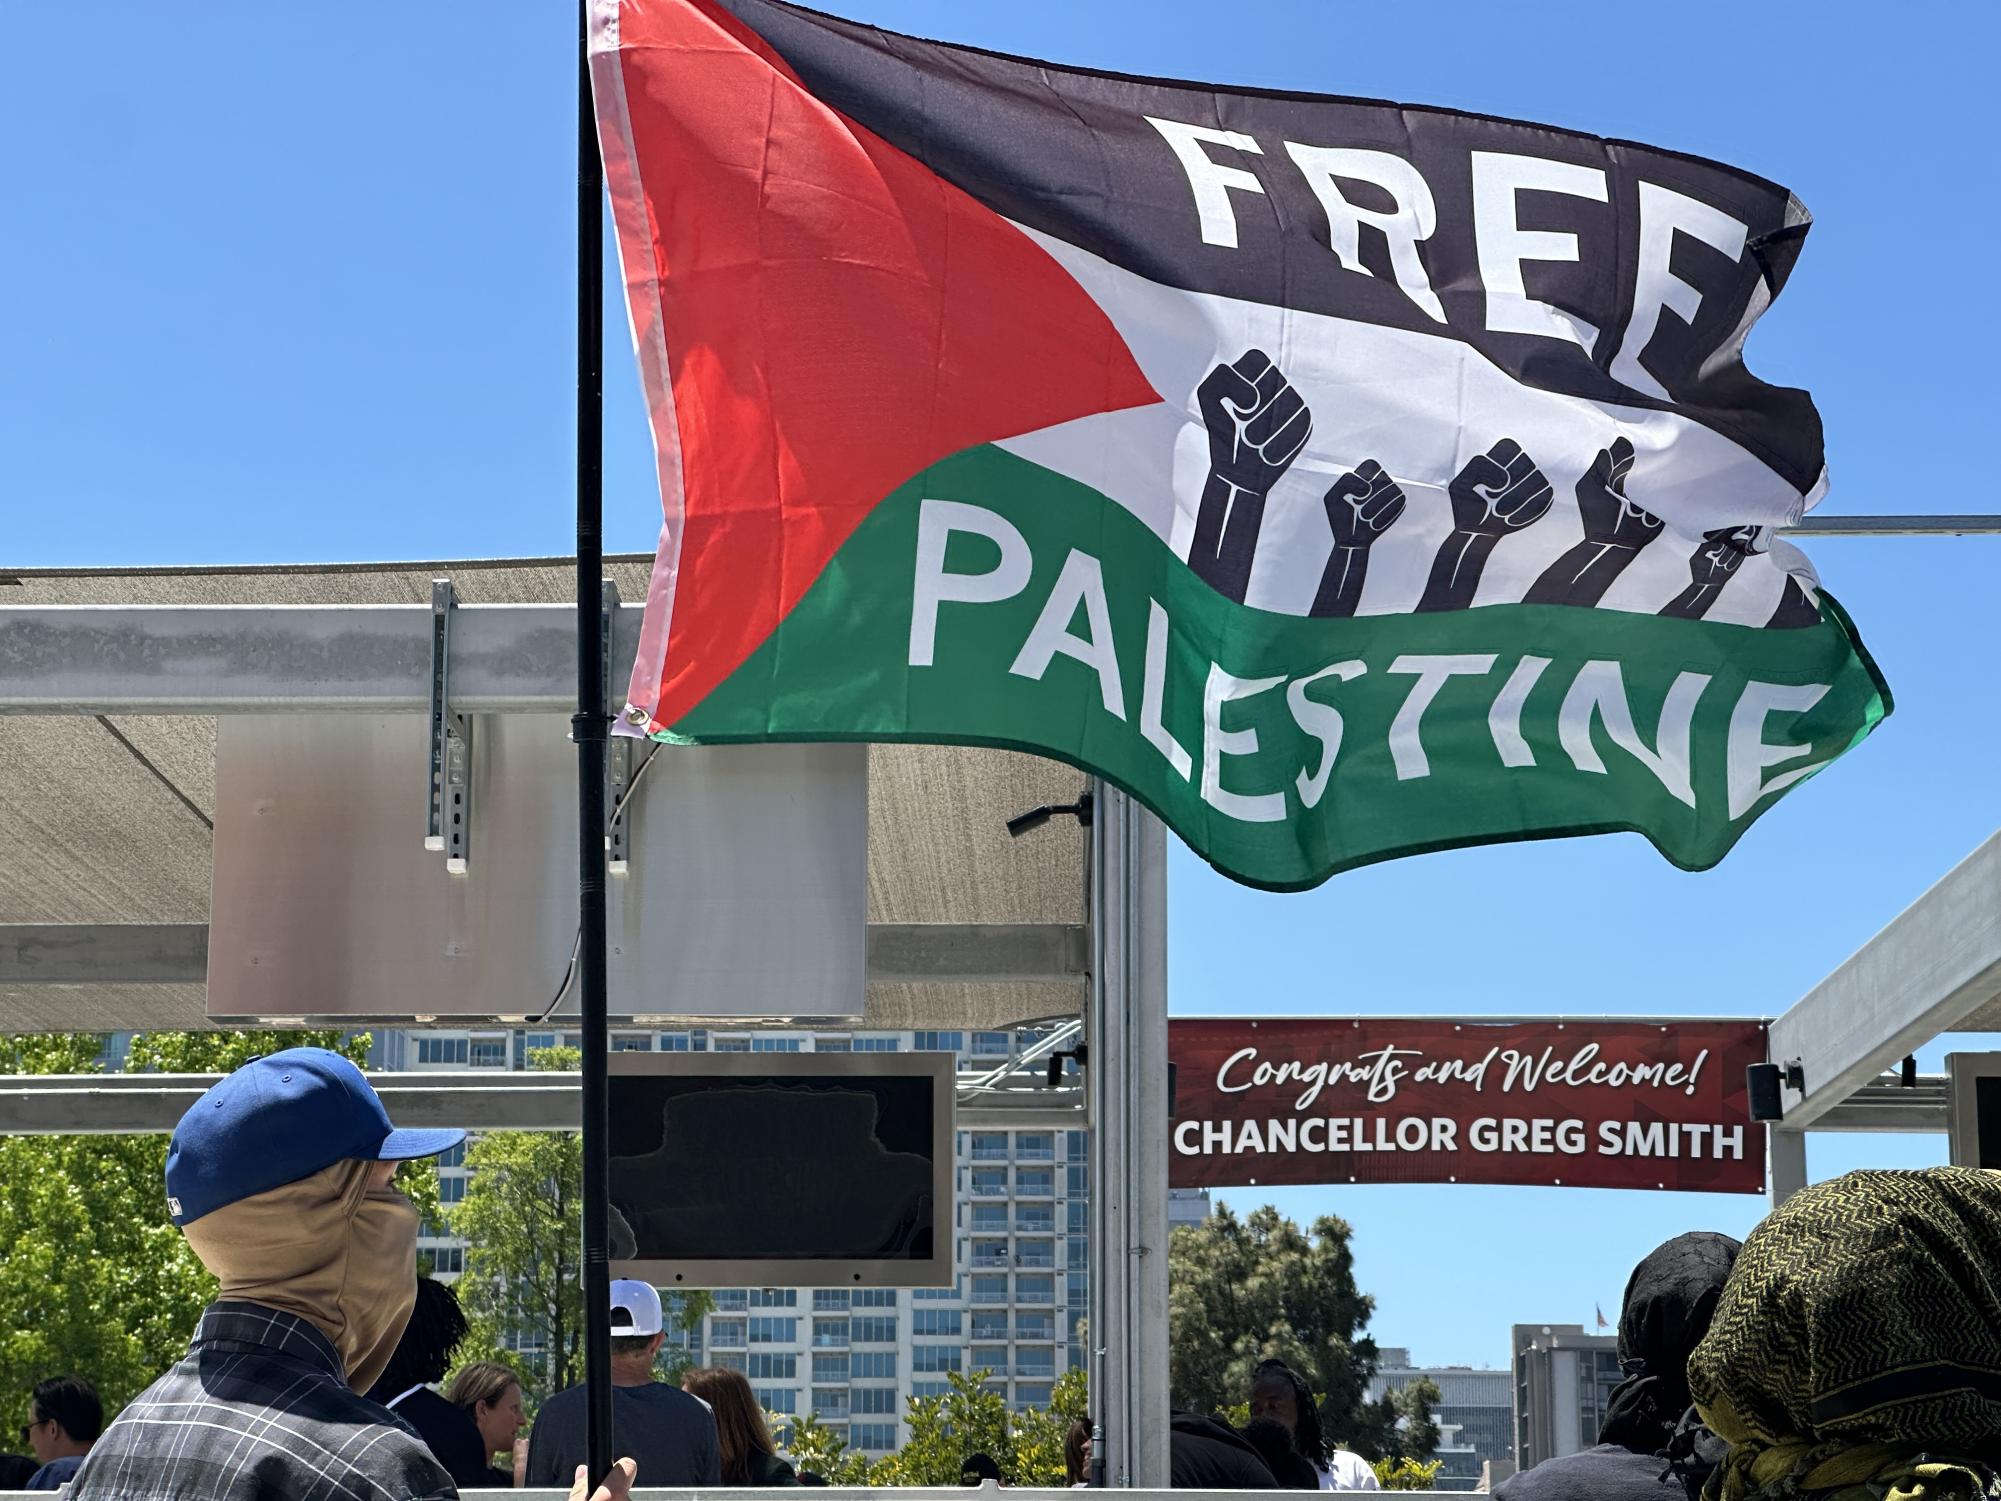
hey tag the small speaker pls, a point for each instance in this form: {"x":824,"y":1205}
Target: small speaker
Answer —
{"x":1761,"y":1082}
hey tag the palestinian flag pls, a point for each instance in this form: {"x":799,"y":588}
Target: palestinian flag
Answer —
{"x":1342,"y":479}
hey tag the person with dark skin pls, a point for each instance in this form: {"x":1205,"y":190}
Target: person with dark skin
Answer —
{"x":1279,"y":1393}
{"x":1274,"y":1444}
{"x":1670,"y":1301}
{"x":436,"y":1329}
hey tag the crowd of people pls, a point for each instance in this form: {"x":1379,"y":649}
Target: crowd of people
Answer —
{"x":1850,"y":1350}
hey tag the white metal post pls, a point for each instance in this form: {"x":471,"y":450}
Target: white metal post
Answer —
{"x":1129,"y":1120}
{"x":1788,"y":1158}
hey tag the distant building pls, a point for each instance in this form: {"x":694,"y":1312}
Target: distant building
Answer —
{"x":1563,"y":1384}
{"x":1187,"y":1207}
{"x":1475,"y":1414}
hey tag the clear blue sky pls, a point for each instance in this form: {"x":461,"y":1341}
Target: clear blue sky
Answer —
{"x":293,"y":282}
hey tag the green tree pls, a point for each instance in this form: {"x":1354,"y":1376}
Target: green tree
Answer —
{"x":522,"y":1216}
{"x":1242,"y":1291}
{"x":95,"y":1278}
{"x":1407,"y":1474}
{"x":971,"y":1418}
{"x":819,"y":1450}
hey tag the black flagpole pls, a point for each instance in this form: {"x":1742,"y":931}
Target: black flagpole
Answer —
{"x":589,"y":729}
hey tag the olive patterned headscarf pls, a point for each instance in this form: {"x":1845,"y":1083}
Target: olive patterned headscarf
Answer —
{"x":1855,"y":1354}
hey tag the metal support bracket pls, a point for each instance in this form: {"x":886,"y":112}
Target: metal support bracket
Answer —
{"x":619,"y":764}
{"x":448,"y":808}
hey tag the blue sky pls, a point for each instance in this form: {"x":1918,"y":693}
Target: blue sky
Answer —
{"x":293,"y":282}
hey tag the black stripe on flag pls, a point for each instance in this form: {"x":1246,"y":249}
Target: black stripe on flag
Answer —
{"x":1601,"y":269}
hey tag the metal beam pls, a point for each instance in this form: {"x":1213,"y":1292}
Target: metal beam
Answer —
{"x":117,"y":1104}
{"x":254,"y":659}
{"x":1895,"y":526}
{"x":898,"y":953}
{"x":1886,"y":1106}
{"x":1936,"y":963}
{"x":165,"y":953}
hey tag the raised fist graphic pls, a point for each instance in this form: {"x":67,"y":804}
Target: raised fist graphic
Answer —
{"x":1361,"y":505}
{"x":1615,"y":529}
{"x":1257,"y":425}
{"x":1710,"y":567}
{"x":1498,"y":493}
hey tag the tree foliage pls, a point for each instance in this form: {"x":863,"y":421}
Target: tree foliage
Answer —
{"x":969,"y":1418}
{"x":1242,"y":1291}
{"x":94,"y":1277}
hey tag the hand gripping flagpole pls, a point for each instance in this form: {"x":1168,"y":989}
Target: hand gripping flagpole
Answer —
{"x":589,"y":729}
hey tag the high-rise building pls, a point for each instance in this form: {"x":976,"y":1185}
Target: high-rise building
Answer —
{"x":1187,"y":1207}
{"x":852,"y":1355}
{"x":1475,"y":1413}
{"x":1563,"y":1384}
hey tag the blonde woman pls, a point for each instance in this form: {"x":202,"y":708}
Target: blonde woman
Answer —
{"x":490,"y":1395}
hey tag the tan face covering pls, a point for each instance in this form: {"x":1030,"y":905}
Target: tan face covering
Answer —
{"x":324,"y":1248}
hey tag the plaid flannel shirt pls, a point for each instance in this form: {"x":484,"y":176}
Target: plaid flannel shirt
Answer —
{"x":259,"y":1410}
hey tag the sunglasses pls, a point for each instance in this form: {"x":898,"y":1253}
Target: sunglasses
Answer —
{"x":30,"y":1426}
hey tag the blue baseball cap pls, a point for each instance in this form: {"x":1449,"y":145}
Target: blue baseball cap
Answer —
{"x":276,"y":1120}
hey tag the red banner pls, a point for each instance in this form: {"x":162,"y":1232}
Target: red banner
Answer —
{"x":1585,"y":1104}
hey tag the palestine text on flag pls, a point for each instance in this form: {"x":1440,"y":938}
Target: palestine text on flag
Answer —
{"x":1343,"y":479}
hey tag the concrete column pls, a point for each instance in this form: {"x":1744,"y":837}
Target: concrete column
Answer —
{"x":1787,"y":1151}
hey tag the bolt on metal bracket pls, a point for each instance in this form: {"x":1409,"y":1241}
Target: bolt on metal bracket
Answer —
{"x":448,"y":804}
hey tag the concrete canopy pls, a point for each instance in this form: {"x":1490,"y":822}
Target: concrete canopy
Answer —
{"x":105,"y":820}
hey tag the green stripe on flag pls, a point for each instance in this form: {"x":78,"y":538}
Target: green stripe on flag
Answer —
{"x":1046,"y":618}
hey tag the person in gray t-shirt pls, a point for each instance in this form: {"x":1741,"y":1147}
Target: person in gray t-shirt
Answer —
{"x":671,"y":1434}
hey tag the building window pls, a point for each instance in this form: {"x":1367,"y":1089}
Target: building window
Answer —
{"x":874,"y":1365}
{"x":991,"y":1044}
{"x":1035,"y":1180}
{"x":448,"y":1261}
{"x":938,"y":1042}
{"x":730,"y":1045}
{"x":989,"y":1218}
{"x":930,"y":1388}
{"x":1035,"y":1326}
{"x":1037,"y":1255}
{"x":777,"y":1399}
{"x":1078,"y":1217}
{"x":990,"y":1182}
{"x":632,"y":1043}
{"x":990,"y":1289}
{"x":1079,"y":1291}
{"x":674,"y":1042}
{"x":764,"y":1366}
{"x":728,"y":1360}
{"x":876,"y":1329}
{"x":1036,"y":1219}
{"x":875,"y":1297}
{"x":441,"y":1050}
{"x":770,"y":1331}
{"x":774,"y":1044}
{"x":488,"y":1052}
{"x":451,"y":1188}
{"x":1078,"y":1185}
{"x":1079,"y":1255}
{"x":774,"y":1297}
{"x":937,"y":1321}
{"x":1035,"y":1146}
{"x":830,"y":1300}
{"x":830,"y":1334}
{"x":731,"y":1299}
{"x":875,"y":1437}
{"x":830,"y":1368}
{"x":934,"y":1357}
{"x":726,"y":1332}
{"x":451,"y":1156}
{"x":989,"y":1146}
{"x":1026,"y":1396}
{"x":831,"y":1402}
{"x":937,"y":1294}
{"x":993,"y":1362}
{"x":875,"y":1399}
{"x":833,"y":1045}
{"x":1077,"y":1146}
{"x":875,"y":1045}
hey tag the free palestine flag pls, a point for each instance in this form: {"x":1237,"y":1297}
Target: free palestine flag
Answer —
{"x":1342,"y":479}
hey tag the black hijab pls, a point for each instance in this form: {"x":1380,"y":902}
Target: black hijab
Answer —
{"x":1669,"y":1303}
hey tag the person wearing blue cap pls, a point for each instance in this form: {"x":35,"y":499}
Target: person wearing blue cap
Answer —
{"x":279,"y":1177}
